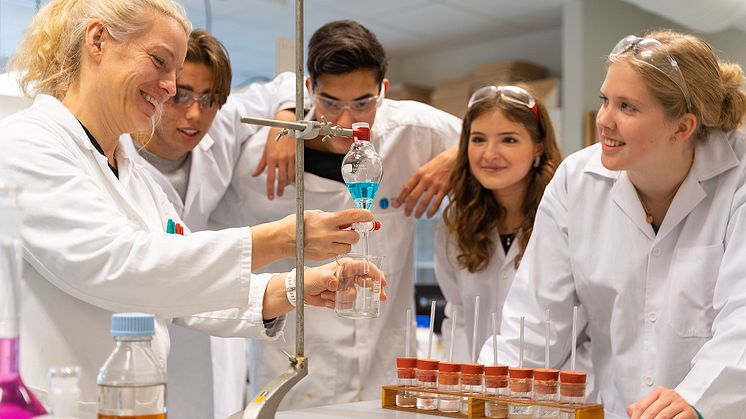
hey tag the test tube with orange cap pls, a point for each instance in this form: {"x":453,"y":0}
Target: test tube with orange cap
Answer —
{"x":572,"y":383}
{"x":521,"y":385}
{"x":496,"y":381}
{"x":405,"y":367}
{"x":546,"y":379}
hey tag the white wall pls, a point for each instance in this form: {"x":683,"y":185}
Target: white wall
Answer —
{"x":543,"y":47}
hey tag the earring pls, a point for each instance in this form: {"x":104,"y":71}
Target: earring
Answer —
{"x":537,"y":161}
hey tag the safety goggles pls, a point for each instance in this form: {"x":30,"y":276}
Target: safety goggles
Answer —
{"x":185,"y":98}
{"x":651,"y":52}
{"x":513,"y":94}
{"x":332,"y":108}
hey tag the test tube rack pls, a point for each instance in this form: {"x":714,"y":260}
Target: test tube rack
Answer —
{"x":476,"y":405}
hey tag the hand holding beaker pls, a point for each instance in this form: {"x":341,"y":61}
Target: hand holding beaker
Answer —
{"x":361,"y":283}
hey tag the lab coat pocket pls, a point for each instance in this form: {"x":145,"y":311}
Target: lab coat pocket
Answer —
{"x":691,"y":288}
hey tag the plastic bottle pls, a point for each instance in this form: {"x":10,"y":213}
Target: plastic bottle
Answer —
{"x":449,"y":380}
{"x":521,"y":389}
{"x":427,"y":378}
{"x":496,"y":385}
{"x":16,"y":400}
{"x":472,"y":383}
{"x":132,"y":382}
{"x":64,"y":393}
{"x":572,"y":390}
{"x":405,"y":368}
{"x":362,"y":167}
{"x":546,"y":389}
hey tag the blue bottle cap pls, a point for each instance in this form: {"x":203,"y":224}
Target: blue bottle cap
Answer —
{"x":132,"y":324}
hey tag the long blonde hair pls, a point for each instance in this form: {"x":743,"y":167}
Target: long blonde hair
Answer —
{"x":49,"y":56}
{"x":714,"y":86}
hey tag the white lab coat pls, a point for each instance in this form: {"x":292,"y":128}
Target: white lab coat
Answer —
{"x":212,"y":164}
{"x":461,"y":287}
{"x":95,"y":245}
{"x":665,"y":310}
{"x":349,"y":360}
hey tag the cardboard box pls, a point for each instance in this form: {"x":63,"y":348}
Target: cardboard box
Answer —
{"x":409,"y":91}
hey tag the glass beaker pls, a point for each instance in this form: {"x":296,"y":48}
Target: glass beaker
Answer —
{"x":359,"y":292}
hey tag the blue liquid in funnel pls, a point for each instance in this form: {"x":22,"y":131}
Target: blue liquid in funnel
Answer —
{"x":363,"y":193}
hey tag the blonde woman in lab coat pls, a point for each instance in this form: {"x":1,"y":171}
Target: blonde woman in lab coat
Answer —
{"x":94,"y":231}
{"x":507,"y":155}
{"x":645,"y":230}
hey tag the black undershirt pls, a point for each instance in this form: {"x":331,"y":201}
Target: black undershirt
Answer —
{"x":324,"y":164}
{"x":97,"y":146}
{"x":507,"y":240}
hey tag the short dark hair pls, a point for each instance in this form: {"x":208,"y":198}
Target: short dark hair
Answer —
{"x":344,"y":46}
{"x":203,"y":48}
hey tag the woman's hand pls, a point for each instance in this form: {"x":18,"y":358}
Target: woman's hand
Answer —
{"x":662,"y":403}
{"x":321,"y":283}
{"x":325,"y":234}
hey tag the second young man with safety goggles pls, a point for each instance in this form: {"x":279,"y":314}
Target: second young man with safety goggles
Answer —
{"x":349,"y":360}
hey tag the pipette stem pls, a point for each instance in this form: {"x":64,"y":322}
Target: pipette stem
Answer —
{"x":454,"y":319}
{"x":430,"y":334}
{"x":474,"y":333}
{"x":409,"y":332}
{"x":494,"y":338}
{"x":520,"y":345}
{"x":546,"y":336}
{"x":365,"y":252}
{"x":574,"y":337}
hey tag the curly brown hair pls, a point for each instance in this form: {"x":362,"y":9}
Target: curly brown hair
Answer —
{"x":473,"y":212}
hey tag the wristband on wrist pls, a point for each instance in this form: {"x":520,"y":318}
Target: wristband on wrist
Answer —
{"x":290,"y":287}
{"x":699,"y":415}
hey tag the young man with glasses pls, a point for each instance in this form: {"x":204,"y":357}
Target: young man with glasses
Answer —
{"x":194,"y":168}
{"x":349,"y":360}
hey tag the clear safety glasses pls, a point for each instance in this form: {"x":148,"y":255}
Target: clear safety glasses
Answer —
{"x":512,"y":94}
{"x":651,"y":52}
{"x":332,"y":108}
{"x":185,"y":98}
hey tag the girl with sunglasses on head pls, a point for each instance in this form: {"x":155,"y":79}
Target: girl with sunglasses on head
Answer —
{"x":507,"y":154}
{"x":645,"y":230}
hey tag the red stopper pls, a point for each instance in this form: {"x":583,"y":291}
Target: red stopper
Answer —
{"x":427,"y":364}
{"x":361,"y":131}
{"x":404,"y":362}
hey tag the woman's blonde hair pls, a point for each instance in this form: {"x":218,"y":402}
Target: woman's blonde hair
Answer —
{"x":49,"y":56}
{"x":473,"y":213}
{"x":714,"y":86}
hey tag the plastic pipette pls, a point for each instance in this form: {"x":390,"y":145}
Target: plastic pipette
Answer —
{"x":574,"y":337}
{"x":494,"y":338}
{"x":546,"y":336}
{"x":409,"y":332}
{"x":430,"y":334}
{"x":454,"y":319}
{"x":474,"y":334}
{"x":520,"y":346}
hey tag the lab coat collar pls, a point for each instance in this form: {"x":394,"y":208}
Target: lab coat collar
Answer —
{"x":712,"y":157}
{"x":203,"y":164}
{"x":205,"y":143}
{"x":58,"y":112}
